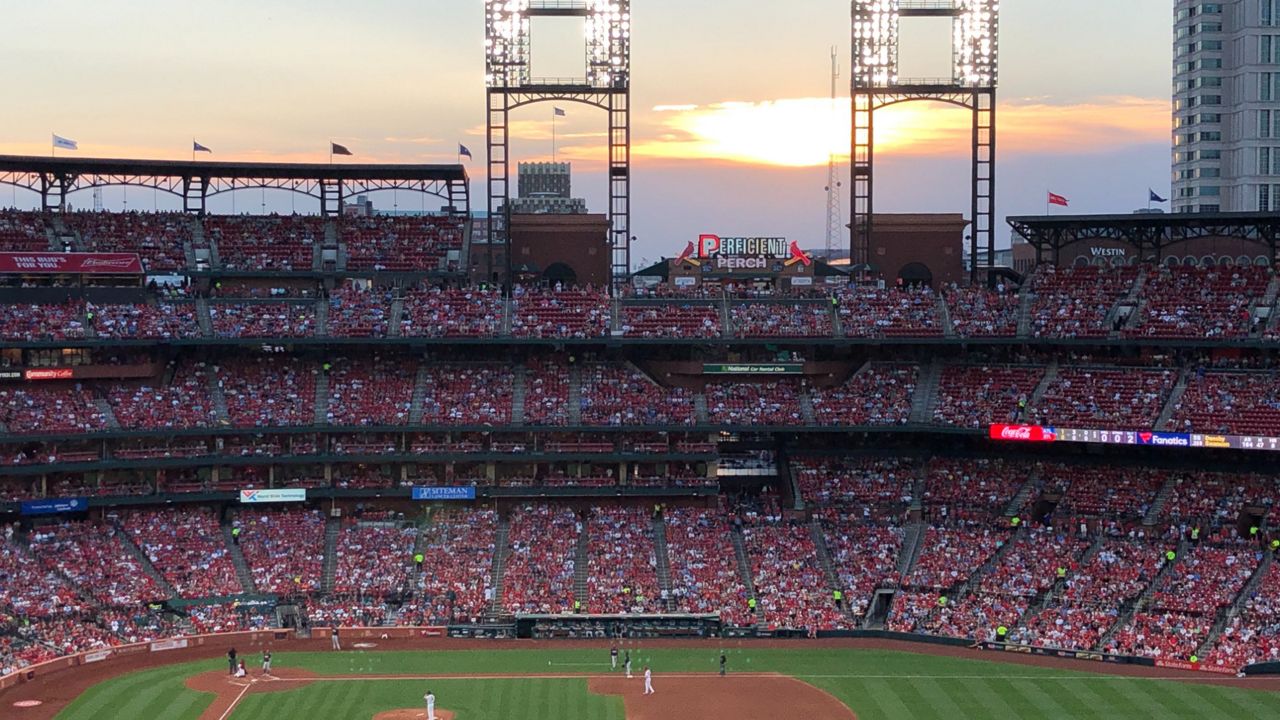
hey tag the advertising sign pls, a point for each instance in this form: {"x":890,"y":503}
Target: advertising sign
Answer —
{"x":744,"y":253}
{"x":444,"y":493}
{"x":49,"y":263}
{"x":752,"y":368}
{"x":1150,"y":438}
{"x":1023,"y":433}
{"x":53,"y":506}
{"x":273,"y":496}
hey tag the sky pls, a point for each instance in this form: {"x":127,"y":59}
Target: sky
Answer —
{"x":731,"y":116}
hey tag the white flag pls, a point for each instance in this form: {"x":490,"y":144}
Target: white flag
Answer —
{"x":64,"y":143}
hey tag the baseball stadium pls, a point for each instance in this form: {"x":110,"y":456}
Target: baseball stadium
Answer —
{"x":479,"y":460}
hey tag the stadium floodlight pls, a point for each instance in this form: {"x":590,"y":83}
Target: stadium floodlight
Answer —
{"x":875,"y":42}
{"x":975,"y":36}
{"x":506,"y":42}
{"x":608,"y":29}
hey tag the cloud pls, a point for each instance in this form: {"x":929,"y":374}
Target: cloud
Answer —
{"x":804,"y":132}
{"x":413,"y":141}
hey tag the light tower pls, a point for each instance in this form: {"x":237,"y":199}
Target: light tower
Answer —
{"x":875,"y":84}
{"x":834,"y":211}
{"x":605,"y":84}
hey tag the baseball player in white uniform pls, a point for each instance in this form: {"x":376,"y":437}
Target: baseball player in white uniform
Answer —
{"x":430,"y":697}
{"x":648,"y":681}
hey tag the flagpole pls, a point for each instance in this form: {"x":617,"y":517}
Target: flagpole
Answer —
{"x":553,"y":134}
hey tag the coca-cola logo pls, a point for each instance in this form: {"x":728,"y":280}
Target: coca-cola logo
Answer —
{"x":1023,"y":433}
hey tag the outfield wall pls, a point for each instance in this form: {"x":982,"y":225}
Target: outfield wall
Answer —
{"x":200,"y":647}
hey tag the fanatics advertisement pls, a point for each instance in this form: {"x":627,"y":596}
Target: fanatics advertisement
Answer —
{"x":49,"y":263}
{"x":1038,"y":433}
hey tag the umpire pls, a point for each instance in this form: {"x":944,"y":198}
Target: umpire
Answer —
{"x":231,"y":661}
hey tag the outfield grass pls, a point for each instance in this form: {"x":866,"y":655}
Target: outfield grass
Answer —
{"x":875,"y":684}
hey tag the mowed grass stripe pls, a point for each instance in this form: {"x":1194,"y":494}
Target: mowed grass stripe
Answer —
{"x":1119,"y":697}
{"x":951,"y":698}
{"x":1206,"y":701}
{"x":909,"y":692}
{"x":158,"y":694}
{"x":1044,"y":696}
{"x":999,"y":693}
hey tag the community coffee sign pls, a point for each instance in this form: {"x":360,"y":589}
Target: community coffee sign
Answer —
{"x":744,"y":253}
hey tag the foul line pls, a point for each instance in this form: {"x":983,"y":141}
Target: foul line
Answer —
{"x":711,"y":674}
{"x":235,"y":702}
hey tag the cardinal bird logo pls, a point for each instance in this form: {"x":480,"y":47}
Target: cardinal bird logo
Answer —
{"x":687,"y":256}
{"x":798,"y":255}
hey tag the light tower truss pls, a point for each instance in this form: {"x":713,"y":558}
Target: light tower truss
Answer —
{"x":875,"y":84}
{"x":605,"y":84}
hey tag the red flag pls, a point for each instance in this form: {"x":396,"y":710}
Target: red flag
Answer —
{"x":1056,"y":199}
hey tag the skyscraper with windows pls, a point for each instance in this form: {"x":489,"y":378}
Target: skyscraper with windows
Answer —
{"x":1226,"y":106}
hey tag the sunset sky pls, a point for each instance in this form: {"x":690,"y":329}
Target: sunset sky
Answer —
{"x":731,"y":117}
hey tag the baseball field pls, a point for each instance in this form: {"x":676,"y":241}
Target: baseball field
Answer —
{"x":532,"y":681}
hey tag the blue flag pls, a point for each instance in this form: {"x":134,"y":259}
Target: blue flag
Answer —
{"x":463,"y":151}
{"x":197,"y":147}
{"x":1153,"y":197}
{"x":559,"y":112}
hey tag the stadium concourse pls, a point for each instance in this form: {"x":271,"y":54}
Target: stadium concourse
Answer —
{"x":800,"y":461}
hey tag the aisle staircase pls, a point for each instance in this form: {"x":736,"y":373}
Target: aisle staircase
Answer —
{"x":580,"y":563}
{"x":237,"y":560}
{"x":744,"y":570}
{"x":144,"y":562}
{"x":501,"y":549}
{"x":662,"y":556}
{"x":332,"y":527}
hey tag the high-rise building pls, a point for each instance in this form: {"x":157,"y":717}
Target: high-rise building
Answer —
{"x":1226,"y":106}
{"x":546,"y":187}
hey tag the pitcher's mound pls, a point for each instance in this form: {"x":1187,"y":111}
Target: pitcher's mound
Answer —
{"x":413,"y":714}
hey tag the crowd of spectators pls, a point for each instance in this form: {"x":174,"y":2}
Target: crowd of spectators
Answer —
{"x":468,"y":394}
{"x":33,"y":323}
{"x":978,"y":312}
{"x":1077,"y":301}
{"x":978,"y":395}
{"x":421,"y":243}
{"x":23,"y":231}
{"x":1104,"y":398}
{"x":1189,"y":302}
{"x":370,"y":391}
{"x":263,"y":319}
{"x":621,"y":562}
{"x":264,"y":391}
{"x":144,"y":321}
{"x":157,"y":238}
{"x":538,"y":576}
{"x":1239,"y":403}
{"x":559,"y":313}
{"x":879,"y":394}
{"x":704,"y":569}
{"x":373,"y":559}
{"x":881,"y":483}
{"x":356,"y":311}
{"x":546,"y":392}
{"x":614,"y":394}
{"x":449,"y":312}
{"x":182,"y":403}
{"x":762,"y":320}
{"x":284,"y":549}
{"x":458,"y":548}
{"x":888,"y":312}
{"x":774,"y":402}
{"x":186,"y":546}
{"x":282,"y":243}
{"x":671,"y":321}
